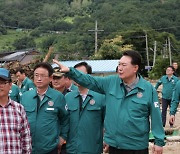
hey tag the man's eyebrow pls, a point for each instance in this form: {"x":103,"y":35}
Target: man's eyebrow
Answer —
{"x":122,"y":62}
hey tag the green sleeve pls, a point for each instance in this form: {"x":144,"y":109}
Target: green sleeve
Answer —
{"x":156,"y":122}
{"x":175,"y":99}
{"x":98,"y":84}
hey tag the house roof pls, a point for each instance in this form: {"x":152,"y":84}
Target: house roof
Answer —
{"x":98,"y":66}
{"x":16,"y":55}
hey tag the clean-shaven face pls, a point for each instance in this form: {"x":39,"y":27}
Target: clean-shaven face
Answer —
{"x":126,"y":70}
{"x":82,"y":69}
{"x":41,"y":78}
{"x":59,"y":82}
{"x":5,"y":86}
{"x":169,"y":71}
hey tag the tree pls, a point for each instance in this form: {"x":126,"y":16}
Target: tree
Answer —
{"x":24,"y":42}
{"x":112,"y":49}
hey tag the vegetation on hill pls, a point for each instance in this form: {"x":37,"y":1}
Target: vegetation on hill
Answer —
{"x":66,"y":25}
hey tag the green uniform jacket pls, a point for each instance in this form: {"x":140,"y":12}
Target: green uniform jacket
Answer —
{"x":27,"y":84}
{"x":86,"y":126}
{"x":46,"y":121}
{"x":127,"y":122}
{"x":14,"y":93}
{"x":175,"y":99}
{"x":168,"y":86}
{"x":73,"y":87}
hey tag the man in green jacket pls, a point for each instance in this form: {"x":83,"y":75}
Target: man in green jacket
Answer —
{"x":14,"y":93}
{"x":87,"y":110}
{"x":174,"y":102}
{"x":130,"y":102}
{"x":168,"y":81}
{"x":25,"y":83}
{"x":46,"y":112}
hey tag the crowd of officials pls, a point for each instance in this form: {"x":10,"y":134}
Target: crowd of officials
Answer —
{"x":67,"y":110}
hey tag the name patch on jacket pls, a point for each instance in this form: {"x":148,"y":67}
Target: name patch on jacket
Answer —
{"x":156,"y":104}
{"x":50,"y":109}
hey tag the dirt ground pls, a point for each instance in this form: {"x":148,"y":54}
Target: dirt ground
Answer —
{"x":170,"y":147}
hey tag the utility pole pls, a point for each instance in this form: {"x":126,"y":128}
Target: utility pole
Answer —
{"x":147,"y":52}
{"x":96,"y":32}
{"x":155,"y":49}
{"x":169,"y":45}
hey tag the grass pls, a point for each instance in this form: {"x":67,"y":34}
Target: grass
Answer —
{"x":6,"y":41}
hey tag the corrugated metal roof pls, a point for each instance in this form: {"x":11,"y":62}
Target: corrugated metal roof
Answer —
{"x":98,"y":66}
{"x":18,"y":55}
{"x":14,"y":55}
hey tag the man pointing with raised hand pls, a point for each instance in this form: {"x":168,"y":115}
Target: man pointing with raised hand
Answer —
{"x":130,"y":101}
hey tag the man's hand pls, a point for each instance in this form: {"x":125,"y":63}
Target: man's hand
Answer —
{"x":172,"y":119}
{"x":61,"y":142}
{"x":64,"y":69}
{"x":105,"y":148}
{"x":157,"y":149}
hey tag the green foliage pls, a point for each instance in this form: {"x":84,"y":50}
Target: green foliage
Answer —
{"x":24,"y":42}
{"x":65,"y":24}
{"x":47,"y":42}
{"x":112,"y":49}
{"x":3,"y":31}
{"x":6,"y":41}
{"x":159,"y":69}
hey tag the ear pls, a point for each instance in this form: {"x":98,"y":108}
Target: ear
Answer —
{"x":51,"y":78}
{"x":10,"y":84}
{"x":136,"y":67}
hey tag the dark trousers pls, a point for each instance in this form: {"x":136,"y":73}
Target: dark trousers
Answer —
{"x":55,"y":151}
{"x":63,"y":149}
{"x":165,"y":104}
{"x":113,"y":150}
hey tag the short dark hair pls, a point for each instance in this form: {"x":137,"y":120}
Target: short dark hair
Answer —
{"x":135,"y":56}
{"x":88,"y":67}
{"x":46,"y":66}
{"x":171,"y":68}
{"x":20,"y":70}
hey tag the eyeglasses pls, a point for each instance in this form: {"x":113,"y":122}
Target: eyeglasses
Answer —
{"x":42,"y":76}
{"x":3,"y":83}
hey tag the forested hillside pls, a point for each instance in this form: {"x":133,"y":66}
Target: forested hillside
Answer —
{"x":66,"y":25}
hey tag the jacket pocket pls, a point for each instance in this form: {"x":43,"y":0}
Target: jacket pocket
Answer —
{"x":51,"y":113}
{"x":138,"y":108}
{"x":31,"y":115}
